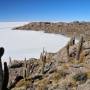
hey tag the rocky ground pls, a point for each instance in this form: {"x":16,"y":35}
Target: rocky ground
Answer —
{"x":73,"y":28}
{"x":67,"y":69}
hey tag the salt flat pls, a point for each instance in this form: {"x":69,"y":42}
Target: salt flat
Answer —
{"x":20,"y":44}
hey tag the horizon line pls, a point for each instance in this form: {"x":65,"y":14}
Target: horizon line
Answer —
{"x":47,"y":21}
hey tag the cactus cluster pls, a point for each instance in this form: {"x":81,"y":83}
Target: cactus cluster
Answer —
{"x":26,"y":69}
{"x":4,"y":74}
{"x":70,"y":43}
{"x":79,"y":49}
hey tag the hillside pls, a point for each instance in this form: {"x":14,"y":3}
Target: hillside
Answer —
{"x":67,"y":69}
{"x":73,"y":28}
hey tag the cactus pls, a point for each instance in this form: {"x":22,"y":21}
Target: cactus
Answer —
{"x":28,"y":70}
{"x":79,"y":48}
{"x":10,"y":61}
{"x":25,"y":63}
{"x":25,"y":69}
{"x":25,"y":74}
{"x":1,"y":71}
{"x":4,"y":76}
{"x":67,"y":48}
{"x":43,"y":51}
{"x":72,"y":41}
{"x":43,"y":58}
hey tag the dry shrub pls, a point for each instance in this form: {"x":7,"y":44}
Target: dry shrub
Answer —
{"x":88,"y":74}
{"x":41,"y":84}
{"x":24,"y":82}
{"x":82,"y":57}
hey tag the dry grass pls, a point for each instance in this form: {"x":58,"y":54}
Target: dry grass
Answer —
{"x":88,"y":74}
{"x":82,"y":57}
{"x":24,"y":82}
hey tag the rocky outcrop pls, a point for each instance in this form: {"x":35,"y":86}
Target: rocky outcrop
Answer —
{"x":54,"y":71}
{"x":73,"y":28}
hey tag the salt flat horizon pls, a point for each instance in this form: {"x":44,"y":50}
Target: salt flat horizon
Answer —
{"x":10,"y":25}
{"x":28,"y":44}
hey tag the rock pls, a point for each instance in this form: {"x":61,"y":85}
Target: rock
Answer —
{"x":16,"y":65}
{"x":59,"y":72}
{"x":77,"y":65}
{"x":60,"y":27}
{"x":85,"y":86}
{"x":81,"y":77}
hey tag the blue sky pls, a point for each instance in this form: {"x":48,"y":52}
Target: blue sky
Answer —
{"x":44,"y":10}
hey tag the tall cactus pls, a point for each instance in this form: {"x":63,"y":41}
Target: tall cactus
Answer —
{"x":28,"y":70}
{"x":25,"y":69}
{"x":4,"y":76}
{"x":72,"y":41}
{"x":43,"y":58}
{"x":79,"y":48}
{"x":67,"y":50}
{"x":25,"y":74}
{"x":1,"y":71}
{"x":10,"y":61}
